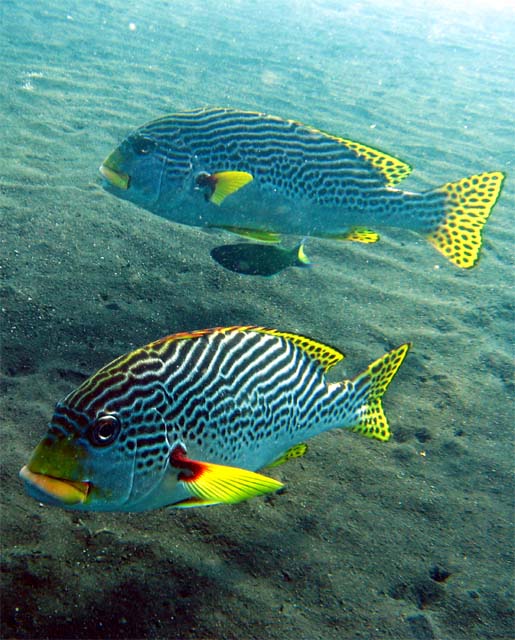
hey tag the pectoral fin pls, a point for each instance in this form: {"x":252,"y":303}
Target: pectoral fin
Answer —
{"x":220,"y":185}
{"x":210,"y":483}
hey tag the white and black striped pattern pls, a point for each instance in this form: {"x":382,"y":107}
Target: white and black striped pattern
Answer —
{"x":238,"y":396}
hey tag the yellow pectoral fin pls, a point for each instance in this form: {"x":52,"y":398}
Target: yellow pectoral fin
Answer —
{"x":228,"y":182}
{"x":214,"y":483}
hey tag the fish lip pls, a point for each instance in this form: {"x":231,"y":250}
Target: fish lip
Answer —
{"x":60,"y":490}
{"x":115,"y":178}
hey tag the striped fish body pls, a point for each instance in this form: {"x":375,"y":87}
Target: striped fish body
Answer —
{"x":300,"y":181}
{"x":216,"y":404}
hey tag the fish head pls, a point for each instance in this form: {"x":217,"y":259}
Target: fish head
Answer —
{"x":103,"y":455}
{"x":133,"y":170}
{"x":149,"y":168}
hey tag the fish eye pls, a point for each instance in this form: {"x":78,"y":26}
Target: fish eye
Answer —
{"x":143,"y":145}
{"x":105,"y":430}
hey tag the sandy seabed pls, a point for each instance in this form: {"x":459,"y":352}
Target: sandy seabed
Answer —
{"x":409,"y":539}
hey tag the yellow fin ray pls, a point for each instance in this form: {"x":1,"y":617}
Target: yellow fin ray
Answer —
{"x":216,"y":483}
{"x":468,"y":205}
{"x":228,"y":182}
{"x":393,"y":169}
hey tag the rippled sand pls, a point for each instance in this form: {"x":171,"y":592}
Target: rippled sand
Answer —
{"x":410,"y":539}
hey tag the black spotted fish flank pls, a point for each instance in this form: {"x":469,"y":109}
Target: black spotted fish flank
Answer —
{"x":261,"y":175}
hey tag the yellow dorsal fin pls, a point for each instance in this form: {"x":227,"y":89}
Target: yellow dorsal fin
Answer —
{"x":325,"y":355}
{"x":322,"y":353}
{"x":262,"y":235}
{"x":355,"y":234}
{"x":392,"y":169}
{"x":227,"y":182}
{"x":297,"y":451}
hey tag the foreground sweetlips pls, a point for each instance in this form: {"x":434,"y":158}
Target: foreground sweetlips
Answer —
{"x":261,"y":176}
{"x":188,"y":420}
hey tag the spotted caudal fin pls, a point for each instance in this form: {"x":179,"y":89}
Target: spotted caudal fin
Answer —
{"x":467,"y":206}
{"x":366,"y":391}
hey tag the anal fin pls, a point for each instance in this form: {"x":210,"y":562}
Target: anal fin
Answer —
{"x":297,"y":451}
{"x":355,"y":234}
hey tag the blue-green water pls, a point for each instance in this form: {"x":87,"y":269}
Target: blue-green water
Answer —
{"x":350,"y":550}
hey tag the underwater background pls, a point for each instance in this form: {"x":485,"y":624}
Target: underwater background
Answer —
{"x":409,"y":539}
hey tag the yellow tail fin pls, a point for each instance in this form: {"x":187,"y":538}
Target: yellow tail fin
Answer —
{"x":468,"y":204}
{"x":370,"y":386}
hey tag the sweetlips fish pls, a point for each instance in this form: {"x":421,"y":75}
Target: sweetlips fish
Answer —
{"x":261,"y":176}
{"x":189,"y":420}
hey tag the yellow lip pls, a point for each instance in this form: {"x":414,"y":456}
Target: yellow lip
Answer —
{"x":116,"y":178}
{"x":66,"y":491}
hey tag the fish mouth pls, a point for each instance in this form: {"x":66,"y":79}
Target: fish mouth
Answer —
{"x":59,"y":490}
{"x":116,"y":178}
